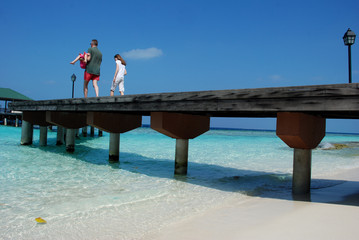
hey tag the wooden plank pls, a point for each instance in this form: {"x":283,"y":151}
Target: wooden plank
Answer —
{"x":333,"y":101}
{"x":266,"y":105}
{"x":284,"y":92}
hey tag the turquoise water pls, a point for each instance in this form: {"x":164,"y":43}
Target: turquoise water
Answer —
{"x":82,"y":196}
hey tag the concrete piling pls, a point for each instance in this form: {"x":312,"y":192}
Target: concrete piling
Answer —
{"x":115,"y":124}
{"x":77,"y":133}
{"x":65,"y":131}
{"x":114,"y":149}
{"x":302,"y":132}
{"x":302,"y":162}
{"x":100,"y":133}
{"x":92,"y":131}
{"x":60,"y":136}
{"x":181,"y":127}
{"x":26,"y":133}
{"x":43,"y":136}
{"x":181,"y":158}
{"x":84,"y":131}
{"x":70,"y":140}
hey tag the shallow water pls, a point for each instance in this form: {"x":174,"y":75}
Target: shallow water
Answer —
{"x":83,"y":196}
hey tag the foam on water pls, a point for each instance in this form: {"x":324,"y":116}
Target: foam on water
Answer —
{"x":82,"y":196}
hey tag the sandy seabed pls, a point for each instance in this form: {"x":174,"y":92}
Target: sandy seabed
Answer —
{"x":331,"y":213}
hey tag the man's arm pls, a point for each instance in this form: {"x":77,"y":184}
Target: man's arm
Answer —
{"x":88,"y":55}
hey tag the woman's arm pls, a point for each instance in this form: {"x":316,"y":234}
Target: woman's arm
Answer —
{"x":116,"y":72}
{"x":125,"y":71}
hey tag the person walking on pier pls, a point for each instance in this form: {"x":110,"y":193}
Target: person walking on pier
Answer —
{"x":119,"y":78}
{"x":93,"y":58}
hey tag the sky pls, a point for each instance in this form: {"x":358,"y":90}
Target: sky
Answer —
{"x":173,"y":46}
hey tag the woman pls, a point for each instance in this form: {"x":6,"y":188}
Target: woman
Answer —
{"x":119,"y":78}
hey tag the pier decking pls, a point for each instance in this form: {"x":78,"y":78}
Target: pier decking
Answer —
{"x":300,"y":112}
{"x":329,"y":101}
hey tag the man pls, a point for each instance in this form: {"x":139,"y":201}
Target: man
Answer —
{"x":92,"y":72}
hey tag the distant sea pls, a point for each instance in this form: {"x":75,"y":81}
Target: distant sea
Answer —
{"x":83,"y":196}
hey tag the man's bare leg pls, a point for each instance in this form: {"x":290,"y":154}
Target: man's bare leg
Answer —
{"x":95,"y":86}
{"x":86,"y":83}
{"x":111,"y":93}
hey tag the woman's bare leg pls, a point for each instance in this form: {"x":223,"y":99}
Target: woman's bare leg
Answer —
{"x":122,"y":93}
{"x":76,"y":59}
{"x":111,"y":93}
{"x":95,"y":86}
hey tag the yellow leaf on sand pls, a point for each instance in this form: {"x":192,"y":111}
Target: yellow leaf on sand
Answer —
{"x":40,"y":220}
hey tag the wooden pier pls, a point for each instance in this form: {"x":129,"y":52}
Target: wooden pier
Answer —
{"x":300,"y":111}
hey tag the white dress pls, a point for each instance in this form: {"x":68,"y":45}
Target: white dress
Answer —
{"x":120,"y":78}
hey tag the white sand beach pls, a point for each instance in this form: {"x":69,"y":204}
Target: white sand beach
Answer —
{"x":333,"y":213}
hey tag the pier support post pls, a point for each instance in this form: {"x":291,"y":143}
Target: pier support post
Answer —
{"x":60,"y":136}
{"x":114,"y":149}
{"x":36,"y":118}
{"x":5,"y":121}
{"x":84,"y":131}
{"x":181,"y":158}
{"x":114,"y":123}
{"x":65,"y":131}
{"x":77,"y":133}
{"x":92,"y":131}
{"x":302,"y":132}
{"x":43,"y":136}
{"x":16,"y":122}
{"x":70,"y":140}
{"x":302,"y":163}
{"x":181,"y":127}
{"x":100,"y":134}
{"x":26,"y":133}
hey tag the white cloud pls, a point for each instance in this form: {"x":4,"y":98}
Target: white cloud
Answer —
{"x":275,"y":77}
{"x":143,"y":53}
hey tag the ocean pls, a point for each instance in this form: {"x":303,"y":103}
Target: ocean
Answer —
{"x":83,"y":196}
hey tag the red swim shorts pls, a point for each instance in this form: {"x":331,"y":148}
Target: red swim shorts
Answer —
{"x":89,"y":76}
